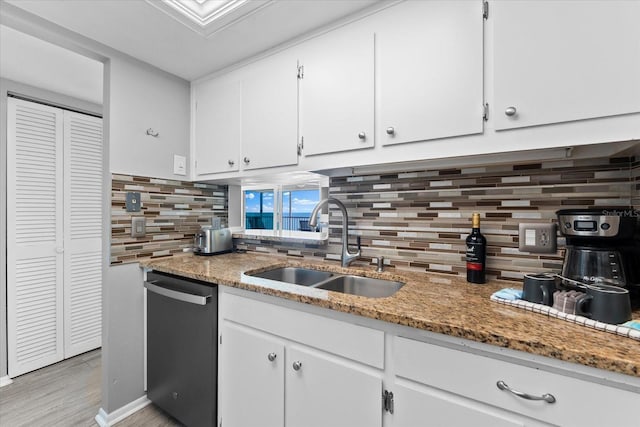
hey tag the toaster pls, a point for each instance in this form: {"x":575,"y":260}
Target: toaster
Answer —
{"x":210,"y":241}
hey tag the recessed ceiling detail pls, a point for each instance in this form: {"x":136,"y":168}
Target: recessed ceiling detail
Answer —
{"x":207,"y":17}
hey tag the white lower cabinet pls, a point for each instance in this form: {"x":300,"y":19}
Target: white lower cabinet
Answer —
{"x":252,"y":372}
{"x":417,"y":404}
{"x":322,"y":390}
{"x":283,"y":366}
{"x":272,"y":372}
{"x":471,"y":379}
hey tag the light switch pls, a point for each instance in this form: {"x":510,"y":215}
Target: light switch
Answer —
{"x":138,"y":226}
{"x":179,"y":165}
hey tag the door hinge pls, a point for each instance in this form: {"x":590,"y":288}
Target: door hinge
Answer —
{"x":301,"y":146}
{"x":300,"y":72}
{"x":485,"y":112}
{"x":485,"y":10}
{"x":387,"y":401}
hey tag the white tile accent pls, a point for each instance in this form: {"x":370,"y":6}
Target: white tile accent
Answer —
{"x":407,"y":234}
{"x":449,"y":215}
{"x":381,"y":186}
{"x":355,"y":179}
{"x":381,"y":205}
{"x":134,"y":187}
{"x":448,"y":183}
{"x":440,"y":204}
{"x":445,"y":246}
{"x":441,"y":267}
{"x":388,"y":214}
{"x":526,"y":215}
{"x":181,"y":206}
{"x":515,"y":179}
{"x":514,"y":203}
{"x":381,"y":242}
{"x":407,"y":175}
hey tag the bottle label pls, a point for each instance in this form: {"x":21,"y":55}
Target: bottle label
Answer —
{"x":475,"y":256}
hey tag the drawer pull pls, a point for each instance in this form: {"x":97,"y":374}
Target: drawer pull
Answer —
{"x":549,"y":398}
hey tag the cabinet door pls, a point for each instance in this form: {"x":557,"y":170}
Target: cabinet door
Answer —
{"x":415,"y":404}
{"x":336,"y":91}
{"x":251,"y":383}
{"x":564,"y":60}
{"x":217,"y":126}
{"x":330,"y":391}
{"x":270,"y":113}
{"x":430,"y":71}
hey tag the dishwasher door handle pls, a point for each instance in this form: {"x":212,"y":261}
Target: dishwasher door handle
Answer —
{"x":180,"y":296}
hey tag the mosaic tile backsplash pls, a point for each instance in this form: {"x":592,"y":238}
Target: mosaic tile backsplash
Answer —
{"x":173,"y":212}
{"x":419,"y":220}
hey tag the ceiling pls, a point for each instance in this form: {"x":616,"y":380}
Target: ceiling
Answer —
{"x":142,"y":29}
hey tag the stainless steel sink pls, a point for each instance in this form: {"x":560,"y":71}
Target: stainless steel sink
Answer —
{"x":362,"y":286}
{"x":345,"y":283}
{"x":295,"y":275}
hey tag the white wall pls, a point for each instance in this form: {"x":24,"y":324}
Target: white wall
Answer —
{"x":141,"y":98}
{"x":136,"y":97}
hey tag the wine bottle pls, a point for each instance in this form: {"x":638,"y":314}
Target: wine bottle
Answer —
{"x":476,"y":252}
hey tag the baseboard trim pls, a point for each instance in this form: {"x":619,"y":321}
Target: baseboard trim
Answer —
{"x":106,"y":420}
{"x":5,"y":381}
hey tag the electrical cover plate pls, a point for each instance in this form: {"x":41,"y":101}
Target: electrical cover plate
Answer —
{"x":138,"y":226}
{"x":538,"y":238}
{"x":132,"y":201}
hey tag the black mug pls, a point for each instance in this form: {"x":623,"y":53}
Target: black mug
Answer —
{"x":539,"y":288}
{"x":606,"y":303}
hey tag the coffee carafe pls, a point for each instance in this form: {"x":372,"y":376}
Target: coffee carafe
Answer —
{"x":602,"y":247}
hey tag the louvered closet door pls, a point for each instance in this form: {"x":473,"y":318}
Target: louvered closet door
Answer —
{"x":83,"y":233}
{"x":34,"y":236}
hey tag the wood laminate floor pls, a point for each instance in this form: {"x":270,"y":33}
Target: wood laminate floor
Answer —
{"x":66,"y":394}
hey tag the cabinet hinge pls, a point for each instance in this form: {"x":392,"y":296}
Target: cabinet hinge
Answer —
{"x":301,"y":146}
{"x":300,"y":72}
{"x":387,"y":401}
{"x":485,"y":112}
{"x":485,"y":10}
{"x":220,"y":339}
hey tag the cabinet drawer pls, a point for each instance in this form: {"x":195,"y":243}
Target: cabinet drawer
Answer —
{"x":577,"y":402}
{"x":359,"y":343}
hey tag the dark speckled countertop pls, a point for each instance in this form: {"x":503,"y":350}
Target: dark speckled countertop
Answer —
{"x":433,"y":302}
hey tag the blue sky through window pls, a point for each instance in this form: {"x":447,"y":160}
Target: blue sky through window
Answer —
{"x":293,"y":202}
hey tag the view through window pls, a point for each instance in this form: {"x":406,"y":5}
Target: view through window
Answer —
{"x":262,"y":206}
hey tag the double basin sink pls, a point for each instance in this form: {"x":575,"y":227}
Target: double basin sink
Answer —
{"x":345,"y":283}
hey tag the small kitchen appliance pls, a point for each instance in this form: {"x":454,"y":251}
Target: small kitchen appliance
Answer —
{"x":212,"y":241}
{"x":602,"y":247}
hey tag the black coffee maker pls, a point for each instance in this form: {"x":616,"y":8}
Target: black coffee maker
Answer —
{"x":603,"y":247}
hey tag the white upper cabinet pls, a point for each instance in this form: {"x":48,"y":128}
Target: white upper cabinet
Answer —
{"x":217,"y":126}
{"x":564,"y":60}
{"x":270,"y":112}
{"x":337,"y":91}
{"x":429,"y":65}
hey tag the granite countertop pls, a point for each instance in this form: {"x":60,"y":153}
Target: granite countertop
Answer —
{"x":434,"y":302}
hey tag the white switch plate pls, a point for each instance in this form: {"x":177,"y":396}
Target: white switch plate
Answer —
{"x":179,"y":165}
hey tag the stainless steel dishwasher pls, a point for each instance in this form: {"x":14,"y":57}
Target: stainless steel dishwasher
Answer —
{"x":182,"y":329}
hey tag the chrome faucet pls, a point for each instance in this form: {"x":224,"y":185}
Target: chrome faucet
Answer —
{"x":346,"y":256}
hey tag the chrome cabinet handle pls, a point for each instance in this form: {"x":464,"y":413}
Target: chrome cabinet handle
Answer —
{"x":231,"y":163}
{"x":391,"y":130}
{"x":271,"y":357}
{"x":297,"y":365}
{"x":246,"y":160}
{"x":362,"y":136}
{"x":510,"y":111}
{"x":549,"y":398}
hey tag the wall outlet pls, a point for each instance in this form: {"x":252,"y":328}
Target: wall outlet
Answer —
{"x":538,"y":238}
